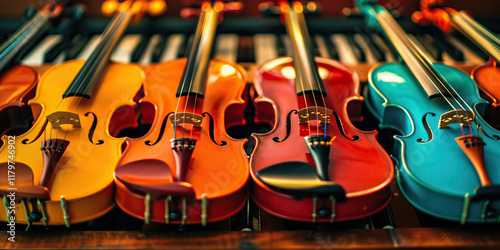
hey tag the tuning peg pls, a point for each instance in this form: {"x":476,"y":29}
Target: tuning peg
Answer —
{"x":109,"y":7}
{"x":156,"y":7}
{"x":270,"y":8}
{"x":226,"y":7}
{"x":76,"y":12}
{"x":29,"y":12}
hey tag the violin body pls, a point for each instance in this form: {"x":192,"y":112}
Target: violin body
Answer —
{"x":356,"y":161}
{"x":433,"y":172}
{"x":83,"y":175}
{"x":17,"y":86}
{"x":487,"y":77}
{"x":218,"y":167}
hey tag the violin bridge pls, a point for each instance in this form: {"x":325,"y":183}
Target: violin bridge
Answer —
{"x":321,"y":114}
{"x":185,"y":117}
{"x":456,"y":116}
{"x":59,"y":118}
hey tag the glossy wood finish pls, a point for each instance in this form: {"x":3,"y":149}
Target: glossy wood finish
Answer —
{"x":419,"y":238}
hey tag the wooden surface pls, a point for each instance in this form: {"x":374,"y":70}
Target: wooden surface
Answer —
{"x":425,"y":238}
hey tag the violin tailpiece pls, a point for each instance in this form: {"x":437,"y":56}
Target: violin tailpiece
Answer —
{"x":319,"y":147}
{"x":183,"y":150}
{"x":456,"y":116}
{"x":52,"y":151}
{"x":473,"y":147}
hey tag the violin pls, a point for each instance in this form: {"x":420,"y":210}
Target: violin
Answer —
{"x":447,"y":155}
{"x":314,"y":165}
{"x":187,"y":169}
{"x":60,"y":172}
{"x":487,"y":76}
{"x":17,"y":83}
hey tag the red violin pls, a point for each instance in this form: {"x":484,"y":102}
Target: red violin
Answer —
{"x":314,"y":165}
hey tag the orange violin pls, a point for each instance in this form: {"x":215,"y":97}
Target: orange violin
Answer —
{"x":61,"y":170}
{"x":17,"y":83}
{"x":487,"y":76}
{"x":314,"y":165}
{"x":187,"y":169}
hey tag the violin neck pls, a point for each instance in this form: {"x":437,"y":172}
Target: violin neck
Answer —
{"x":9,"y":49}
{"x":481,"y":36}
{"x":307,"y":78}
{"x":421,"y":66}
{"x":194,"y":77}
{"x":86,"y":80}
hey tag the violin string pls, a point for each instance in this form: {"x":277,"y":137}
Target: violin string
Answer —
{"x":299,"y":79}
{"x":420,"y":56}
{"x":423,"y":60}
{"x":14,"y":40}
{"x":117,"y":19}
{"x":116,"y":24}
{"x":190,"y":87}
{"x":299,"y":73}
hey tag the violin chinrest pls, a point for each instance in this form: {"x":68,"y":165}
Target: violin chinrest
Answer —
{"x":148,"y":171}
{"x":152,"y":177}
{"x":23,"y":173}
{"x":28,"y":192}
{"x":299,"y":179}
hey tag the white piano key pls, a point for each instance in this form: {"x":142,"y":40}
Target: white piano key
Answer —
{"x":148,"y":52}
{"x":469,"y":55}
{"x":265,"y":47}
{"x":288,"y":45}
{"x":323,"y":51}
{"x":89,"y":47}
{"x":414,"y":40}
{"x":35,"y":57}
{"x":226,"y":47}
{"x":370,"y":58}
{"x":389,"y":57}
{"x":123,"y":52}
{"x":174,"y":43}
{"x":346,"y":54}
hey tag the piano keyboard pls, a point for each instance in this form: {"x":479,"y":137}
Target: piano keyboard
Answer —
{"x":255,"y":48}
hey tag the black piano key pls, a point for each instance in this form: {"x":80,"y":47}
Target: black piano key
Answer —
{"x":389,"y":47}
{"x":332,"y":49}
{"x":77,"y":44}
{"x":440,"y":41}
{"x":56,"y":50}
{"x":315,"y":47}
{"x":185,"y":47}
{"x":373,"y":47}
{"x":158,"y":49}
{"x":140,"y":48}
{"x":356,"y":49}
{"x":246,"y":51}
{"x":282,"y":48}
{"x":426,"y":42}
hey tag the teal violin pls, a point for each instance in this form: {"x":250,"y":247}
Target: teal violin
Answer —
{"x":446,"y":157}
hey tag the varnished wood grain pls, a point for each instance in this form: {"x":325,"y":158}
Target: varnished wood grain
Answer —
{"x":423,"y":238}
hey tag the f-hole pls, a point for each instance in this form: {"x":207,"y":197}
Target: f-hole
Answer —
{"x":92,"y":129}
{"x":211,"y":130}
{"x":427,"y":128}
